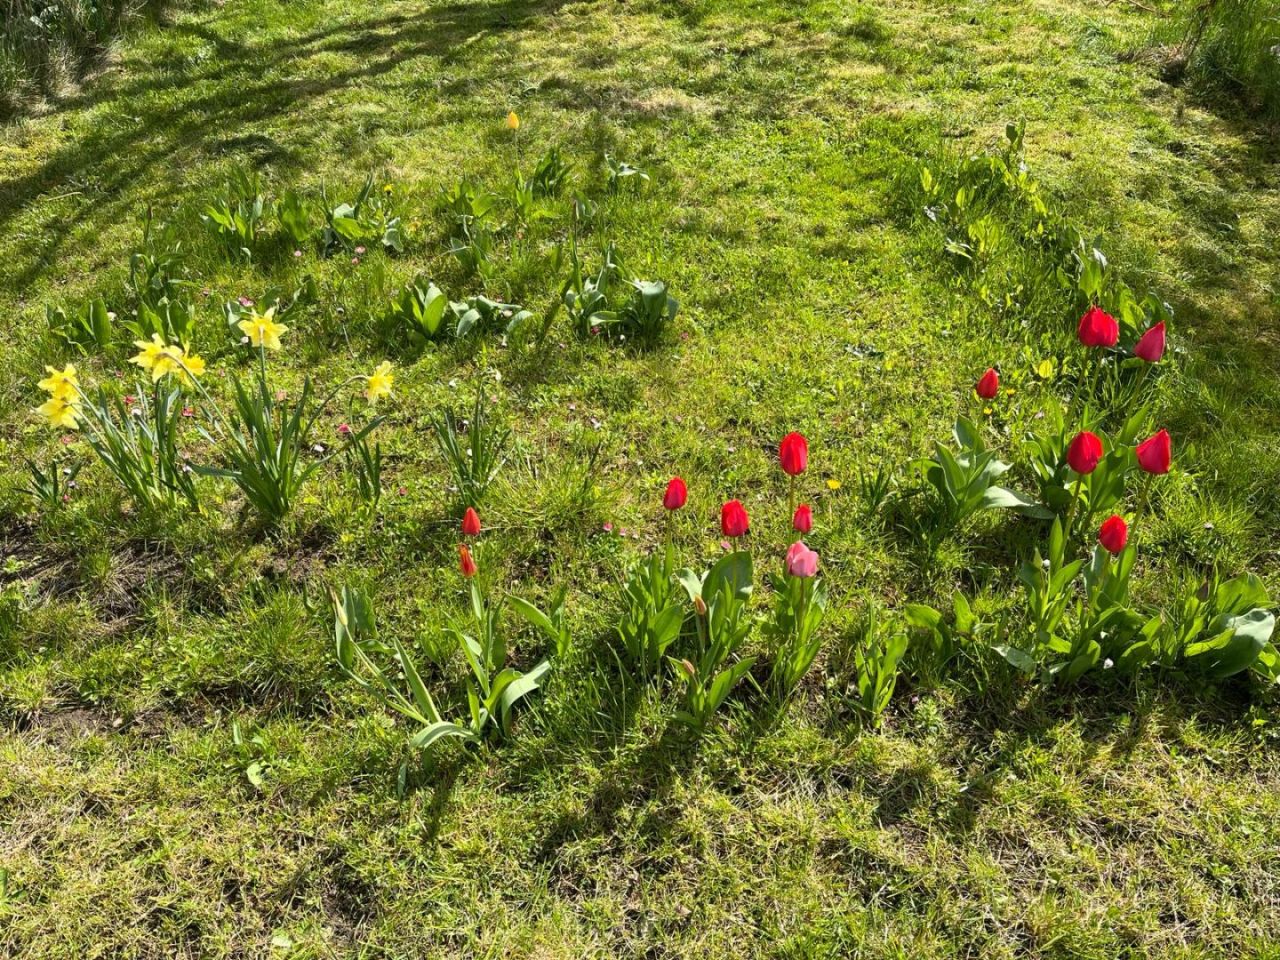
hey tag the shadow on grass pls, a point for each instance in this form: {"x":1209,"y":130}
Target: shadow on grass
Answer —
{"x":173,"y":112}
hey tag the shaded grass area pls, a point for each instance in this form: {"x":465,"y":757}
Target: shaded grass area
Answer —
{"x":45,"y":48}
{"x":1109,"y":819}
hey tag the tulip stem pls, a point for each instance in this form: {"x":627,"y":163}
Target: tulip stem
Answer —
{"x":1071,"y":507}
{"x":1144,"y":494}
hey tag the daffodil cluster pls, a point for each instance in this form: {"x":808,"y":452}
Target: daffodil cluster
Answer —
{"x":161,"y":359}
{"x":62,"y":409}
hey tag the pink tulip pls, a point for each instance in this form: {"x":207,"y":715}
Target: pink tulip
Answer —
{"x":801,"y":561}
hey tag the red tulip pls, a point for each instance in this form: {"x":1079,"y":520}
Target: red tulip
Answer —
{"x":801,"y":561}
{"x":1155,"y":453}
{"x":1098,"y":328}
{"x":734,"y":521}
{"x":988,"y":384}
{"x":802,"y":522}
{"x":1150,"y":346}
{"x":471,"y":523}
{"x":1084,"y":452}
{"x":677,"y":494}
{"x":793,"y":453}
{"x":466,"y":562}
{"x":1113,"y":534}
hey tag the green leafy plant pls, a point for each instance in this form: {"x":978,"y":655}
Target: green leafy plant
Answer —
{"x":647,"y":313}
{"x":936,"y":641}
{"x":296,"y":214}
{"x":479,"y":313}
{"x":586,"y":296}
{"x":878,"y":658}
{"x":137,"y":441}
{"x":621,"y":172}
{"x":797,"y":615}
{"x":364,"y":461}
{"x":419,"y":310}
{"x":493,"y":689}
{"x":550,"y":174}
{"x":235,"y":214}
{"x":90,"y":327}
{"x":474,"y":450}
{"x":365,"y":221}
{"x":50,"y":487}
{"x":552,"y":623}
{"x":1218,"y":629}
{"x":966,"y":481}
{"x":652,"y":617}
{"x":719,"y":599}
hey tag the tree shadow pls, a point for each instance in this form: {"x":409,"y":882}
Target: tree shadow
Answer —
{"x":172,"y":112}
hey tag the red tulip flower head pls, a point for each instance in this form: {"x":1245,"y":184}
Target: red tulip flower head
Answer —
{"x":802,"y":522}
{"x":793,"y":454}
{"x":988,"y":384}
{"x":1155,"y":453}
{"x":1084,"y":452}
{"x":1098,"y":328}
{"x":466,"y":563}
{"x":1113,"y":534}
{"x":471,"y":523}
{"x":734,"y":521}
{"x":677,"y":494}
{"x":1150,"y":346}
{"x":801,"y":561}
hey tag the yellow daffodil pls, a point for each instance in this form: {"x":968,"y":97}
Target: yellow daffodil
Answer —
{"x":513,"y":121}
{"x":191,"y":366}
{"x":60,"y":384}
{"x":1044,"y":370}
{"x":60,"y":412}
{"x":262,"y":329}
{"x":379,"y":382}
{"x":153,"y":356}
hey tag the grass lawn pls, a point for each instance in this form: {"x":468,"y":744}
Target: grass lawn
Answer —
{"x":185,"y":771}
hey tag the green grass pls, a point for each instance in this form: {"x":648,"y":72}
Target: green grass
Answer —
{"x":1118,"y":817}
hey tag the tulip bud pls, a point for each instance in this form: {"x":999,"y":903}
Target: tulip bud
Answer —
{"x":677,"y":494}
{"x":1113,"y":534}
{"x":1150,"y":346}
{"x":471,"y":523}
{"x":793,"y":454}
{"x":1098,"y":328}
{"x":466,"y":562}
{"x":734,"y":521}
{"x":700,"y":606}
{"x":1155,"y":453}
{"x":802,"y":522}
{"x":1084,"y":452}
{"x":988,"y":385}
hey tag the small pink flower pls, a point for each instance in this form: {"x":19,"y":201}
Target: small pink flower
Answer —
{"x":344,"y":429}
{"x":297,"y":253}
{"x":130,"y":400}
{"x":355,"y":260}
{"x":801,"y":561}
{"x":607,"y":528}
{"x":244,"y":301}
{"x":360,"y":251}
{"x":188,"y":412}
{"x":403,"y":491}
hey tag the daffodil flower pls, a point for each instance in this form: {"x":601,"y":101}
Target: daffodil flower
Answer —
{"x":513,"y":121}
{"x":262,"y":329}
{"x":60,"y":384}
{"x":60,"y":412}
{"x":380,"y":382}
